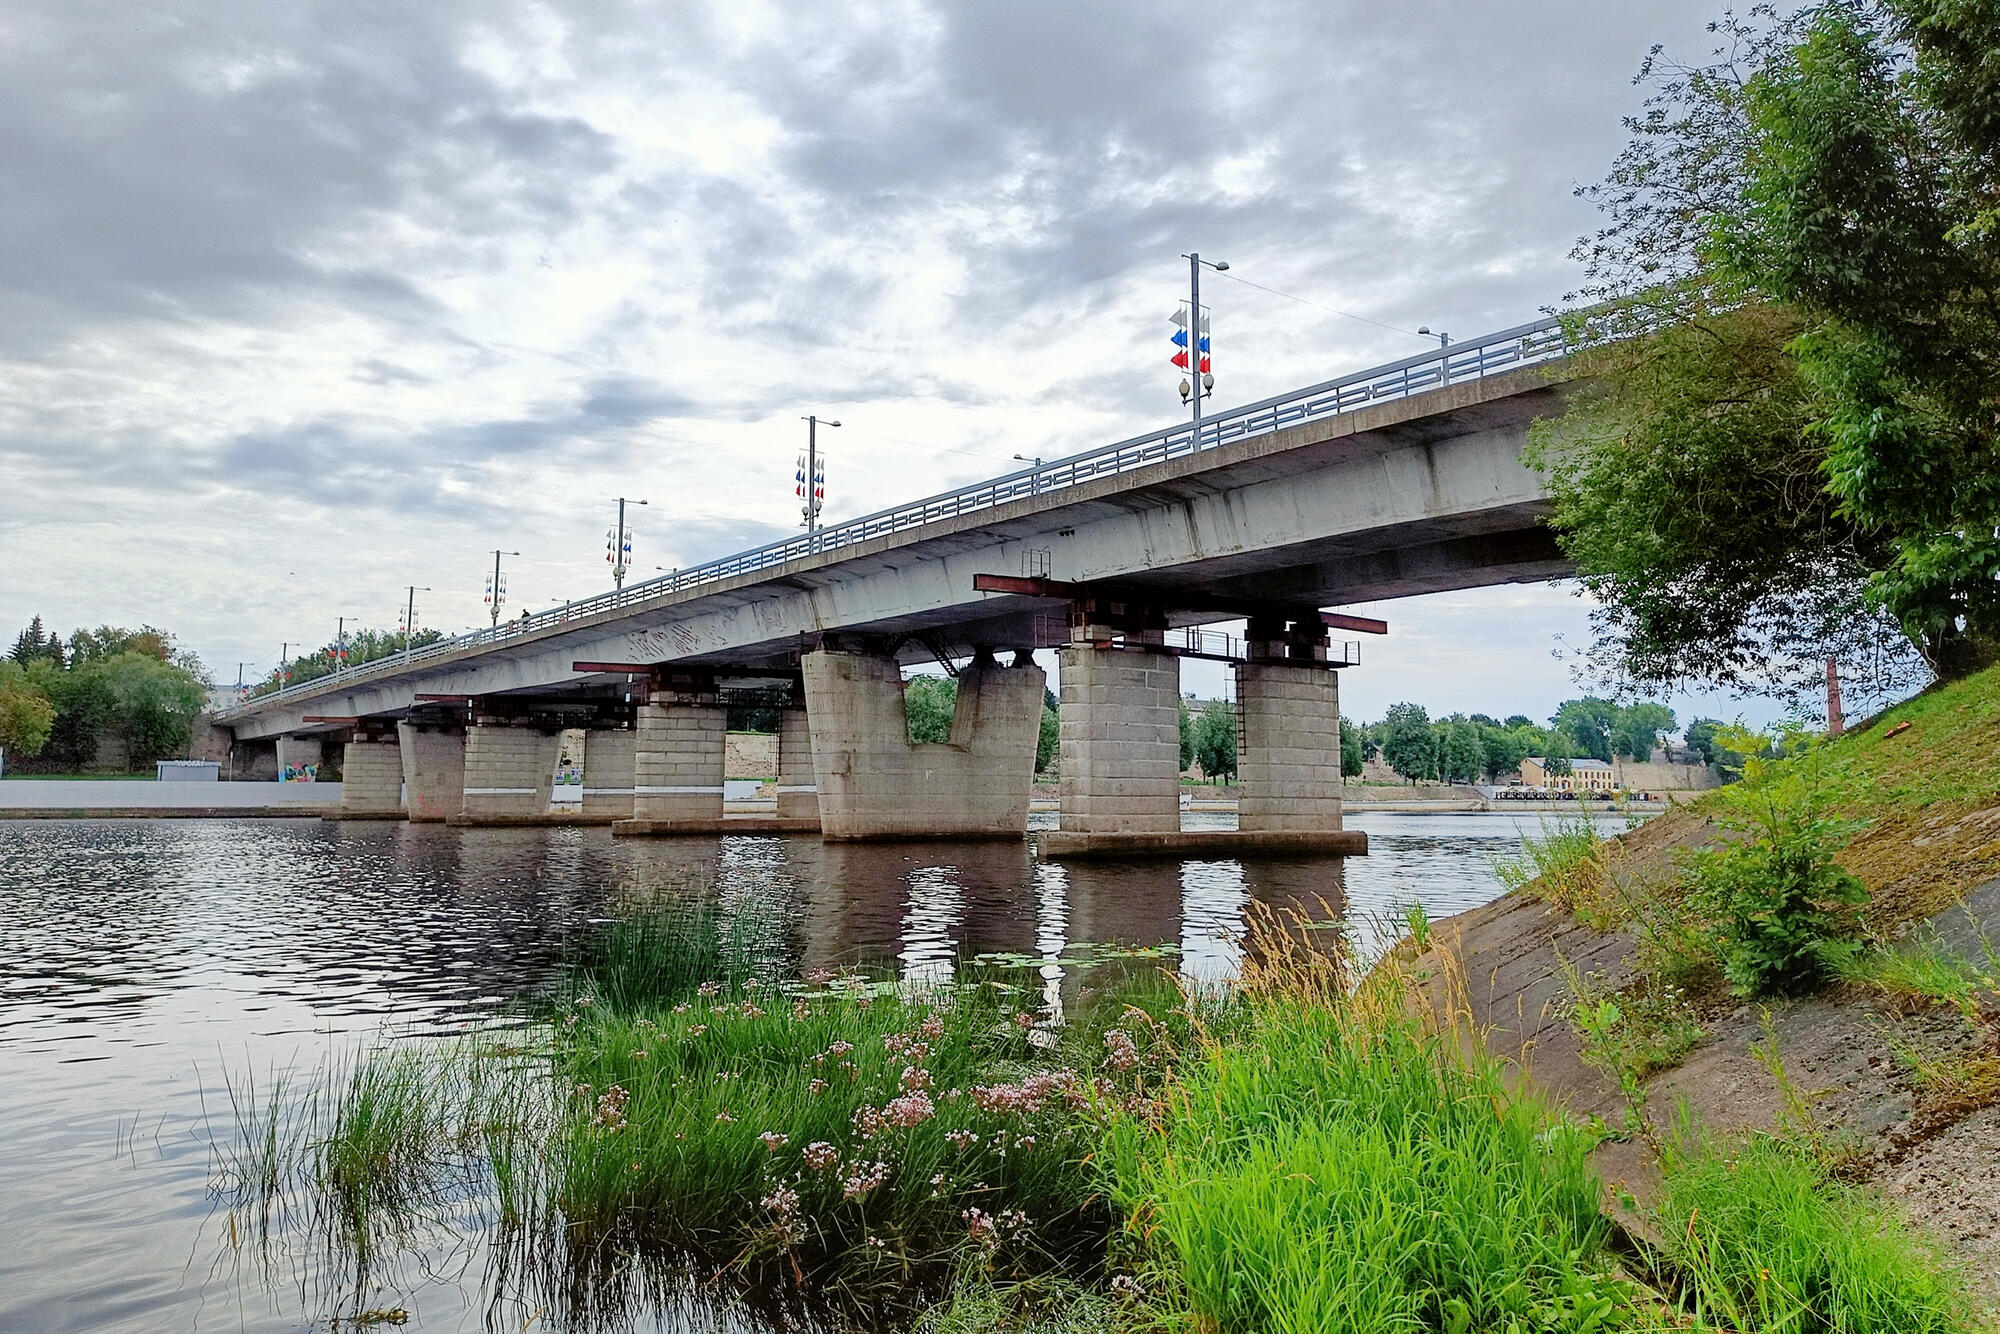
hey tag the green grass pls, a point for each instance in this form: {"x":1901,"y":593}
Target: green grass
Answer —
{"x":1762,"y":1238}
{"x":1566,"y":863}
{"x":1338,"y":1173}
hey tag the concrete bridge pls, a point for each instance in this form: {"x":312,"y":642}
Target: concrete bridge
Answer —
{"x":1400,"y":480}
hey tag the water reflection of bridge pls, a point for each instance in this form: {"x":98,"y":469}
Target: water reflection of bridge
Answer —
{"x":923,"y":909}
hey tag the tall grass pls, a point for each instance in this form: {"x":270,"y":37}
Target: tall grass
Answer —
{"x":1567,"y":864}
{"x":1354,"y":1169}
{"x":1764,"y":1239}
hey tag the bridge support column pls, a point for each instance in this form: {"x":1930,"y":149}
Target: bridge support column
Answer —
{"x":296,"y":752}
{"x":371,"y":777}
{"x":1120,"y":742}
{"x":677,"y":768}
{"x":509,"y":773}
{"x":433,"y":770}
{"x":608,"y":759}
{"x":875,"y":783}
{"x":1288,"y":757}
{"x":798,"y":786}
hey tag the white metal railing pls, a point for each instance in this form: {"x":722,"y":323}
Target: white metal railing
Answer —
{"x":1531,"y":344}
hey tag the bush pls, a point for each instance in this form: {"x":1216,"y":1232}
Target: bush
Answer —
{"x":1783,"y":916}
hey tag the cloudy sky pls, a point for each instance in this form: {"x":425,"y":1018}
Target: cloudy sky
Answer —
{"x":305,"y":303}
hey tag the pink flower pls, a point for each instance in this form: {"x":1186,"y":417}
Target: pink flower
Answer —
{"x":820,"y":1155}
{"x":864,"y":1178}
{"x":724,"y":1118}
{"x":959,"y":1139}
{"x":818,"y":1086}
{"x":916,"y":1077}
{"x":1123,"y":1054}
{"x":909,"y":1111}
{"x":773,"y":1141}
{"x":709,"y":989}
{"x":867,"y":1121}
{"x":932,"y":1028}
{"x":610,"y":1107}
{"x":696,"y":1030}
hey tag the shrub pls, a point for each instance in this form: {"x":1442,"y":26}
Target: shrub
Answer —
{"x":1784,"y":917}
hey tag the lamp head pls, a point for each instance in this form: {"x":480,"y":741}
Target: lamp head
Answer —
{"x":1221,"y":265}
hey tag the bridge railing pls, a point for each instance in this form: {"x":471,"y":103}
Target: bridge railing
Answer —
{"x":1530,"y":344}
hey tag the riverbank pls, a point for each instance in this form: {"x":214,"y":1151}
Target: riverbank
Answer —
{"x":1611,"y":985}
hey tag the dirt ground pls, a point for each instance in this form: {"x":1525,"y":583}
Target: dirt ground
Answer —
{"x":1838,"y":1053}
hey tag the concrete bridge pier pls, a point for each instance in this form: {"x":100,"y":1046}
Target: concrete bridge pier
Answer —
{"x":510,"y":769}
{"x":371,"y":776}
{"x":433,"y":769}
{"x":1120,"y":739}
{"x":609,"y":756}
{"x":300,"y":751}
{"x":1288,"y":747}
{"x":798,"y":787}
{"x":875,"y":783}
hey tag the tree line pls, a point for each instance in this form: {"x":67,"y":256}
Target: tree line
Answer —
{"x":357,"y":647}
{"x":60,"y":700}
{"x":1465,"y":748}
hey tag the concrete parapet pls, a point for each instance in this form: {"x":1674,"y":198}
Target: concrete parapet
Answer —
{"x":610,"y":758}
{"x":1288,"y":758}
{"x":509,"y":771}
{"x":1120,"y":741}
{"x":433,"y":772}
{"x":798,"y":785}
{"x":874,"y":782}
{"x":677,"y":764}
{"x":371,"y":785}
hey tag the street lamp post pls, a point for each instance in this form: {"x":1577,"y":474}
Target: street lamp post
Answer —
{"x":809,"y":483}
{"x":1202,"y":383}
{"x":1444,"y":345}
{"x":496,"y":590}
{"x":410,"y":618}
{"x":615,"y":550}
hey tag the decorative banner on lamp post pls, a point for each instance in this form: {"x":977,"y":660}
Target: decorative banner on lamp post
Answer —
{"x":1180,"y":339}
{"x":815,"y":497}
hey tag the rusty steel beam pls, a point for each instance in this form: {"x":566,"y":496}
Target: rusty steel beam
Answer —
{"x":635,"y":668}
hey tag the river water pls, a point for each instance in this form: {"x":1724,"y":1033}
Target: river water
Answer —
{"x":146,"y":964}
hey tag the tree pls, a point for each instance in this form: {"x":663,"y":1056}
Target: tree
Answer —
{"x":1638,"y":729}
{"x":929,"y":703}
{"x":85,"y":708}
{"x":1215,"y":739}
{"x":1869,"y":205}
{"x":1502,"y":749}
{"x":1701,"y":739}
{"x":1408,"y":744}
{"x":36,"y":645}
{"x":156,"y":704}
{"x":1350,"y":749}
{"x":1807,"y":226}
{"x":1049,"y":740}
{"x":26,"y":713}
{"x":1587,"y":723}
{"x":1460,"y":755}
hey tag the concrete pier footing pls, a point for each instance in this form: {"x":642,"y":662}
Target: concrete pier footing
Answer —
{"x":798,"y":786}
{"x":1288,"y":757}
{"x":371,"y":786}
{"x":509,"y":773}
{"x":433,"y":771}
{"x":875,"y":783}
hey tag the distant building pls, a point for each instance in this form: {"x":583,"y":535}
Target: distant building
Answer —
{"x":1584,"y":776}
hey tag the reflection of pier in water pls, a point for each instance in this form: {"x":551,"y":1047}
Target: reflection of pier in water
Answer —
{"x":922,"y":908}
